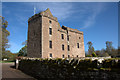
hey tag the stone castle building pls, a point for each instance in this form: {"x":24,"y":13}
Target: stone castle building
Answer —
{"x":46,"y":38}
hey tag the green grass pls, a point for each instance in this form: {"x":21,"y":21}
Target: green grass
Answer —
{"x":6,"y":61}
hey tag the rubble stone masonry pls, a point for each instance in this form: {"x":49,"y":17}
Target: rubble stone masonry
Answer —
{"x":47,"y":39}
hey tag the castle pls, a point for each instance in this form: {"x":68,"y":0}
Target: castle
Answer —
{"x":47,"y":39}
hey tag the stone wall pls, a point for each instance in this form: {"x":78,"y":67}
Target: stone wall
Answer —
{"x":34,"y":48}
{"x":39,"y":37}
{"x":62,"y":69}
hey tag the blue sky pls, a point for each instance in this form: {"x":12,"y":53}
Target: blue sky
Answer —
{"x":98,"y":21}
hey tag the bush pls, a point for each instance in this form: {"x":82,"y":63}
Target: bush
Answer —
{"x":94,"y":54}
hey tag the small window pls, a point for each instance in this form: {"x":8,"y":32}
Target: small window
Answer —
{"x":50,"y":31}
{"x":34,"y":32}
{"x":62,"y":47}
{"x":79,"y":37}
{"x":50,"y":54}
{"x":63,"y":56}
{"x":33,"y":44}
{"x":50,"y":44}
{"x":50,"y":21}
{"x":78,"y":45}
{"x":77,"y":55}
{"x":68,"y":38}
{"x":68,"y":56}
{"x":68,"y":48}
{"x":62,"y":36}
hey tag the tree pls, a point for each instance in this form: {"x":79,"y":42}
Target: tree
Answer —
{"x":23,"y":51}
{"x":94,"y":54}
{"x":109,"y":47}
{"x":5,"y":34}
{"x":24,"y":43}
{"x":90,"y":48}
{"x":98,"y":52}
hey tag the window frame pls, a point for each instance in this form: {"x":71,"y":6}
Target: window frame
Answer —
{"x":63,"y":56}
{"x":68,"y":38}
{"x":50,"y":21}
{"x":63,"y":47}
{"x":62,"y":36}
{"x":68,"y":47}
{"x":78,"y":45}
{"x":77,"y":55}
{"x":50,"y":55}
{"x":68,"y":56}
{"x":50,"y":31}
{"x":50,"y":44}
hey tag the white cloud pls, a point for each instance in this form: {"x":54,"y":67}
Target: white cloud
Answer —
{"x":91,"y":19}
{"x":59,"y":10}
{"x":65,"y":10}
{"x":21,"y":19}
{"x":13,"y":47}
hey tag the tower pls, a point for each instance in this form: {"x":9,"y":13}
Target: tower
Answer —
{"x":47,"y":39}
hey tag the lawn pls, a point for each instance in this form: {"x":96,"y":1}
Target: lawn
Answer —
{"x":6,"y":61}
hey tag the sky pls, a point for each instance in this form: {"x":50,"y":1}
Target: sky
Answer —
{"x":97,"y":20}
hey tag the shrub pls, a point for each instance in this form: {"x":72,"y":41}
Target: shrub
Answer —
{"x":94,"y":54}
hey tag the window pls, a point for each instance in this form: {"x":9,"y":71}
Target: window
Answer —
{"x":50,"y":44}
{"x":78,"y":45}
{"x":68,"y":56}
{"x":50,"y":31}
{"x":68,"y":48}
{"x":50,"y":54}
{"x":62,"y":36}
{"x":33,"y":44}
{"x":34,"y":32}
{"x":63,"y":56}
{"x":79,"y":37}
{"x":77,"y":55}
{"x":50,"y":21}
{"x":68,"y":38}
{"x":62,"y":47}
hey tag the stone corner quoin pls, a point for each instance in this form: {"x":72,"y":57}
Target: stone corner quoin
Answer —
{"x":47,"y":39}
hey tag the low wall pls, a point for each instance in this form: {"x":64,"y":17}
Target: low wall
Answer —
{"x":71,"y":68}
